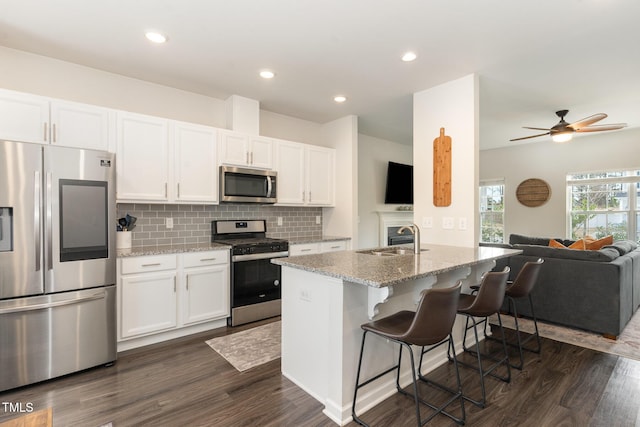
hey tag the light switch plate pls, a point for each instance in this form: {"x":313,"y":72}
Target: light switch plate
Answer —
{"x":169,"y":222}
{"x":279,"y":220}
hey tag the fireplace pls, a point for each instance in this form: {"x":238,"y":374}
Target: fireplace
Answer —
{"x":390,"y":223}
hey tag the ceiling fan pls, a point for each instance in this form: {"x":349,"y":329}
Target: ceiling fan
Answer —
{"x":563,"y":131}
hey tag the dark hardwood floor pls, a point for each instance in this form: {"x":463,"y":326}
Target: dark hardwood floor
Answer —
{"x":185,"y":383}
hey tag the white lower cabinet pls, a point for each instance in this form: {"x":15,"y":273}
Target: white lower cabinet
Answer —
{"x":166,"y":296}
{"x":206,"y":286}
{"x":148,"y":303}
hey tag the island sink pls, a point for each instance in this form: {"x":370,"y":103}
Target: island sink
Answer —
{"x":389,"y":251}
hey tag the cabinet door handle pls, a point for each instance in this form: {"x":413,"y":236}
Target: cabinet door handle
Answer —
{"x":174,"y":284}
{"x":53,"y":131}
{"x":151,"y":265}
{"x":165,"y":189}
{"x":309,"y":195}
{"x":252,"y":157}
{"x":187,"y":282}
{"x":305,"y":250}
{"x":178,"y":190}
{"x":45,"y":132}
{"x":248,"y":161}
{"x":208,"y":259}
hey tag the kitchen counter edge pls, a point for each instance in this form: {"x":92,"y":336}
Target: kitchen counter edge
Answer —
{"x":170,"y":249}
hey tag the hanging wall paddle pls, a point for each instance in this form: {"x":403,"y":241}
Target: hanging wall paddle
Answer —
{"x":442,"y":170}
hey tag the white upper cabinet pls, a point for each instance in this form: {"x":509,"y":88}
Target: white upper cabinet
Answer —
{"x":31,"y":118}
{"x":195,"y":166}
{"x":142,"y":161}
{"x":79,"y":125}
{"x":146,"y":171}
{"x":305,"y":174}
{"x":320,"y":173}
{"x":247,"y":151}
{"x":291,"y":170}
{"x":24,"y":117}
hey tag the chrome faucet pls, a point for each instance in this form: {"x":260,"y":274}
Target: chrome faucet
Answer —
{"x":413,"y":228}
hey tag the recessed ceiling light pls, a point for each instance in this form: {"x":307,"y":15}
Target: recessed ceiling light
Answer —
{"x":156,"y":37}
{"x":339,"y":98}
{"x":409,"y":56}
{"x":267,"y":74}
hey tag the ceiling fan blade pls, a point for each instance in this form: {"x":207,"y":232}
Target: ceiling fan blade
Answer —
{"x":587,"y":121}
{"x":598,"y":128}
{"x":527,"y":127}
{"x":532,"y":136}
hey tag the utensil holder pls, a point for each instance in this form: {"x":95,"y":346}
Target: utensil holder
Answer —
{"x":123,"y":239}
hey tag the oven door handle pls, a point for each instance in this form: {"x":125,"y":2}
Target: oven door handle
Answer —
{"x":253,"y":257}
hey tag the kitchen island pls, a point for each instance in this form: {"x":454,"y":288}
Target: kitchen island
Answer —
{"x":326,"y":297}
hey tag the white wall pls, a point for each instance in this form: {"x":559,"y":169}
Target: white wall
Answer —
{"x":341,"y":220}
{"x":552,"y":162}
{"x":373,"y":156}
{"x":290,"y":128}
{"x":454,"y":106}
{"x":40,"y":75}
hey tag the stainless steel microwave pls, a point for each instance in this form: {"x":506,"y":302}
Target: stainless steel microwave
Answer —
{"x":242,"y":185}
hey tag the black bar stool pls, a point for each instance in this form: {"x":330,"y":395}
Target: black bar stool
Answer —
{"x":429,"y":327}
{"x":486,"y":303}
{"x":521,"y":287}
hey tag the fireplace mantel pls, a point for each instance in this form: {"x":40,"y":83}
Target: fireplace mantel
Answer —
{"x":392,"y":219}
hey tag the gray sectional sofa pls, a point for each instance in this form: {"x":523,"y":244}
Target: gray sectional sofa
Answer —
{"x":594,"y":290}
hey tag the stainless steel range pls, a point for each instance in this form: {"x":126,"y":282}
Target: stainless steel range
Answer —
{"x":255,"y":281}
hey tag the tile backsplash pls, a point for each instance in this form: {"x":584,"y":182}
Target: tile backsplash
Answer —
{"x":192,"y":223}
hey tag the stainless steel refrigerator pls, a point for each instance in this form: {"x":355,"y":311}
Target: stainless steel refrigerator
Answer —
{"x":57,"y":261}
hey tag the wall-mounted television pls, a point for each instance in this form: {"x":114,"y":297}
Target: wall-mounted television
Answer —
{"x":399,"y":189}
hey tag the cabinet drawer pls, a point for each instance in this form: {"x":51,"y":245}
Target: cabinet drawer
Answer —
{"x":340,"y":245}
{"x":197,"y":259}
{"x":304,"y":249}
{"x":143,"y":264}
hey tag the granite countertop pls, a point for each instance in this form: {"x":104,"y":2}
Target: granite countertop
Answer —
{"x":380,"y":271}
{"x":170,"y":249}
{"x":315,"y":239}
{"x":200,"y":247}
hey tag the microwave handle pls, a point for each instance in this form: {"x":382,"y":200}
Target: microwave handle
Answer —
{"x":269,"y":187}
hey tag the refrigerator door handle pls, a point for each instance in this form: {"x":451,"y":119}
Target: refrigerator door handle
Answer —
{"x":49,"y":227}
{"x":37,"y":197}
{"x":43,"y":306}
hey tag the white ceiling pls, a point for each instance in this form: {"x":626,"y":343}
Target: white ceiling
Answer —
{"x":533,"y":58}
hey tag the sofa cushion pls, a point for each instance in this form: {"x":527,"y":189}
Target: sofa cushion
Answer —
{"x":518,"y":239}
{"x":602,"y":255}
{"x":623,"y":246}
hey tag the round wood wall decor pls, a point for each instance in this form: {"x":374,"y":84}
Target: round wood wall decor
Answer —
{"x":533,"y":192}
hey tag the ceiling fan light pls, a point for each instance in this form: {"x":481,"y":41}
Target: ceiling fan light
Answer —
{"x":562,"y":137}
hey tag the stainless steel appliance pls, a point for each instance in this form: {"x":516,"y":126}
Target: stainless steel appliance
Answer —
{"x":241,"y":185}
{"x":255,"y":281}
{"x":57,"y":261}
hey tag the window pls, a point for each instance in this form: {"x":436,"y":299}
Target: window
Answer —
{"x":492,"y":212}
{"x":604,"y":203}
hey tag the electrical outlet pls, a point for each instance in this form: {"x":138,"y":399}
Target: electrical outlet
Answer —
{"x":427,"y":222}
{"x":279,"y":220}
{"x":169,"y":223}
{"x":462,"y":223}
{"x":305,"y":295}
{"x":447,"y":223}
{"x":318,"y":219}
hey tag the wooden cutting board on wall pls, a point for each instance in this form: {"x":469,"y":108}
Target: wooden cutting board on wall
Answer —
{"x":442,"y":170}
